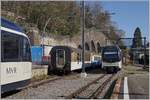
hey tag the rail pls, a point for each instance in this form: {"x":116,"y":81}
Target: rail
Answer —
{"x":95,"y":93}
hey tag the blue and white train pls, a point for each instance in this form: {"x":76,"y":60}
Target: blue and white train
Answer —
{"x":111,"y":58}
{"x":15,"y":57}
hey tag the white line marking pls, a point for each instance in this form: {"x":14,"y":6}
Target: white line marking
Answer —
{"x":126,"y":92}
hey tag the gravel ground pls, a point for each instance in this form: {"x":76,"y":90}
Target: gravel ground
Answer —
{"x":57,"y":89}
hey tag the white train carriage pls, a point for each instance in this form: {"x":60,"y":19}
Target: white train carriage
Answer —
{"x":15,"y":57}
{"x":96,"y":60}
{"x":67,"y":59}
{"x":111,"y":58}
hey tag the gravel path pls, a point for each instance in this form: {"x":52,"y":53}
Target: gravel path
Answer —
{"x":57,"y":89}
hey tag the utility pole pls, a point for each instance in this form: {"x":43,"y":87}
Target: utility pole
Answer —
{"x":144,"y":53}
{"x":83,"y":73}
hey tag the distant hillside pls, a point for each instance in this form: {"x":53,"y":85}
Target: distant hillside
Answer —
{"x":63,"y":17}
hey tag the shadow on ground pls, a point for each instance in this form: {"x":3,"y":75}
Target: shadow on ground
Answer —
{"x":3,"y":95}
{"x":95,"y":70}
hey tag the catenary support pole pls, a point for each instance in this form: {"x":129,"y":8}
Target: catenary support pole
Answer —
{"x":83,"y":74}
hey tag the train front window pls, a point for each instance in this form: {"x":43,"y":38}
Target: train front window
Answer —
{"x":111,"y":54}
{"x":9,"y":47}
{"x":26,"y":54}
{"x":97,"y":58}
{"x":60,"y":57}
{"x":14,"y":48}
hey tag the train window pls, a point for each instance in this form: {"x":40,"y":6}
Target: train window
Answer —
{"x":60,"y":57}
{"x":97,"y":58}
{"x":9,"y":47}
{"x":111,"y":53}
{"x":14,"y":48}
{"x":26,"y":54}
{"x":78,"y":57}
{"x":60,"y":53}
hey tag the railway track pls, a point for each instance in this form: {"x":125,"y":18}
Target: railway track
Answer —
{"x":38,"y":83}
{"x":31,"y":85}
{"x":52,"y":79}
{"x":93,"y":89}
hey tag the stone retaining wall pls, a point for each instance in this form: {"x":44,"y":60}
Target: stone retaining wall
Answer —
{"x":39,"y":71}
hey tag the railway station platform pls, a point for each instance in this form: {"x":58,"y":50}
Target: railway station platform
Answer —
{"x":132,"y":86}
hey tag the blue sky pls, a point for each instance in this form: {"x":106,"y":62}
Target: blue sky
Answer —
{"x":129,"y":15}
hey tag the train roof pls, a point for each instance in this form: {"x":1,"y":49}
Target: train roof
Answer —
{"x":71,"y":48}
{"x":11,"y":27}
{"x":7,"y":24}
{"x":44,"y":45}
{"x":61,"y":46}
{"x":112,"y":47}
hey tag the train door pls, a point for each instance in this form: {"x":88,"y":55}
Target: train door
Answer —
{"x":60,"y":58}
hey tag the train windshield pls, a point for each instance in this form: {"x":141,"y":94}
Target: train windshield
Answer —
{"x":14,"y":48}
{"x":97,"y":58}
{"x":111,"y":54}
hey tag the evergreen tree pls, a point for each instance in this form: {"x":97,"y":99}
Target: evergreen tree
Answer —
{"x":137,"y":40}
